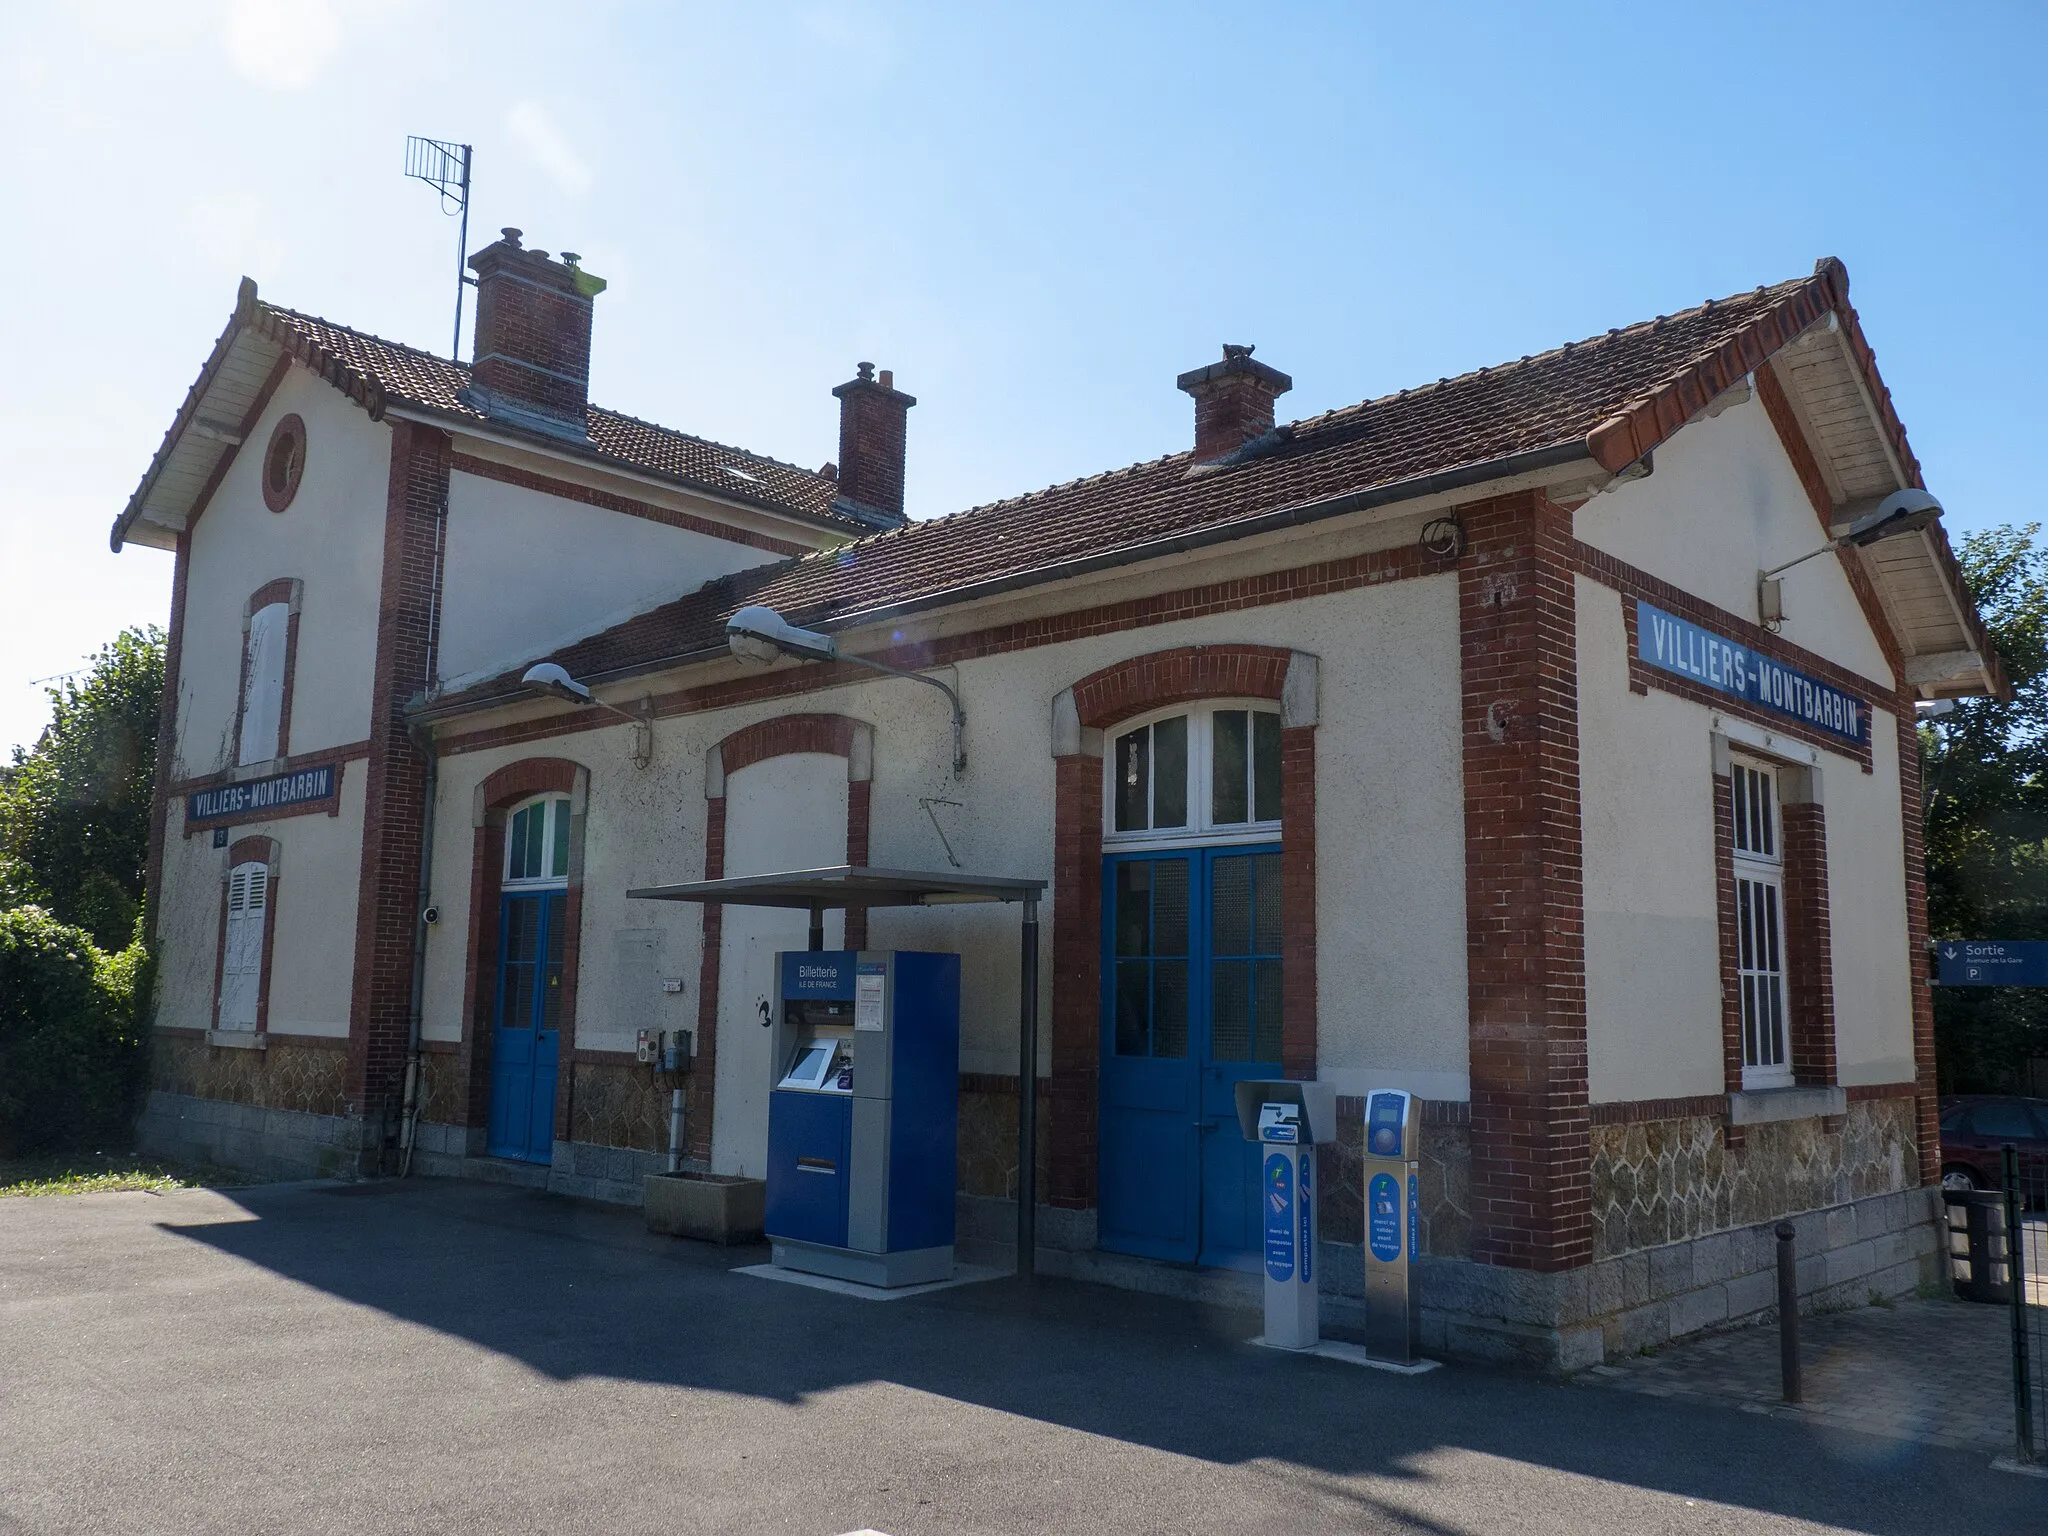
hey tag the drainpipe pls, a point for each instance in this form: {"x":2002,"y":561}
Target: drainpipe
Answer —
{"x":409,"y":1117}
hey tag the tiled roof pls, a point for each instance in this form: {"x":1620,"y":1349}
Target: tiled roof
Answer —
{"x":376,"y":372}
{"x":1623,"y":389}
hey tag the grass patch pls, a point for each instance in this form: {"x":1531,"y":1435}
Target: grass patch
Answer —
{"x":96,"y":1173}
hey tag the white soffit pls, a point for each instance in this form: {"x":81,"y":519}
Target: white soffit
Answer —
{"x":1842,"y":424}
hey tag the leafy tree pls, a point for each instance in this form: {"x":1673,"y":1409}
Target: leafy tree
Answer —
{"x":72,"y":1043}
{"x":1986,"y":781}
{"x":74,"y":812}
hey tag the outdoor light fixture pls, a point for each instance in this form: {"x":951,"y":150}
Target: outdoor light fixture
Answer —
{"x":555,"y":682}
{"x":758,"y":635}
{"x":1907,"y":511}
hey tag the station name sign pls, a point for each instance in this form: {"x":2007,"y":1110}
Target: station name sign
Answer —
{"x":1675,"y":645}
{"x":253,"y":798}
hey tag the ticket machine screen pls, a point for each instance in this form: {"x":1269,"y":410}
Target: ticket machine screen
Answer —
{"x":1383,"y":1124}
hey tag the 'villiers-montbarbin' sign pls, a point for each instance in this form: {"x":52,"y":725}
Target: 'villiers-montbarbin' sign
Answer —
{"x":1674,"y":645}
{"x":253,"y":798}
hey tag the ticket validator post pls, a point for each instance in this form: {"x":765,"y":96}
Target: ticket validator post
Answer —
{"x":1393,"y":1310}
{"x":1287,"y":1120}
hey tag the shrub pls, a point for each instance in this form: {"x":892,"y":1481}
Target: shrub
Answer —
{"x":71,"y":1037}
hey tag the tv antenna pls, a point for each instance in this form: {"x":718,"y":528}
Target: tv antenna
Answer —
{"x":445,"y":168}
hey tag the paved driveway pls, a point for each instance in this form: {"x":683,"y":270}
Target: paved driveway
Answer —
{"x":443,"y":1357}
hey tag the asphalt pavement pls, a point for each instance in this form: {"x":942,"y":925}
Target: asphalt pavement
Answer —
{"x":436,"y":1356}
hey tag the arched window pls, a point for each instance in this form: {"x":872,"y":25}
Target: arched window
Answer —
{"x":1199,"y":773}
{"x":241,"y":970}
{"x":263,"y":673}
{"x":537,"y":844}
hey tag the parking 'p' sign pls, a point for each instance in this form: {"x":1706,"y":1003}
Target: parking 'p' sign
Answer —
{"x":1991,"y":963}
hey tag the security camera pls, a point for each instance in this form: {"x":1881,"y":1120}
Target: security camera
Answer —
{"x":431,"y":916}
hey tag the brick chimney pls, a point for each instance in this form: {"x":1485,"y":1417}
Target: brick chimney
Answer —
{"x":1233,"y":401}
{"x":532,"y":355}
{"x":872,"y":413}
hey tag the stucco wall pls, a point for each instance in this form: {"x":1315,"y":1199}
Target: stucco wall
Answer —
{"x":1389,"y":844}
{"x":1653,"y":998}
{"x":313,"y":951}
{"x":331,"y":538}
{"x":1653,"y":980}
{"x":1867,"y":907}
{"x":1724,"y":504}
{"x":524,"y":570}
{"x":781,"y":813}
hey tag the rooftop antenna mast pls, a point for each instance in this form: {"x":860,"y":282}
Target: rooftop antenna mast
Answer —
{"x":445,"y":168}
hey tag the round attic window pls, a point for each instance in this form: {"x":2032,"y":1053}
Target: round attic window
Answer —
{"x":284,"y":461}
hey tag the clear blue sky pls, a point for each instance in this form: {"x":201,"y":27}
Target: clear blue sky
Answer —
{"x":1036,"y":215}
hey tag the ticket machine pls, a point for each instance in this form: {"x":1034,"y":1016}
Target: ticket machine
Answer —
{"x":1393,"y":1306}
{"x":1287,"y":1120}
{"x":862,"y":1119}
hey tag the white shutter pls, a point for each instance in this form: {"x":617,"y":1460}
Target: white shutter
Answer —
{"x":241,"y":972}
{"x":263,"y":693}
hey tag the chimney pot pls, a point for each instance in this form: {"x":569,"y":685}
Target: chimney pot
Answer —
{"x":872,"y":421}
{"x":1233,"y":401}
{"x":512,"y":236}
{"x":531,"y":364}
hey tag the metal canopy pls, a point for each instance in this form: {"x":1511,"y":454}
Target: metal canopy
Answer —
{"x":849,"y":885}
{"x":854,"y":886}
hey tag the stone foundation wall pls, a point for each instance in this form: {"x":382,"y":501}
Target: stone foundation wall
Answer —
{"x":291,"y":1072}
{"x":988,"y":1141}
{"x":277,"y":1143}
{"x":1886,"y":1245}
{"x":1662,"y":1181}
{"x":623,"y":1104}
{"x":1443,"y":1179}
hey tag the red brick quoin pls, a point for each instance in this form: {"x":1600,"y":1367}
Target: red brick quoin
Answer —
{"x":495,"y":797}
{"x":1101,"y":700}
{"x":1524,"y":888}
{"x":827,"y":735}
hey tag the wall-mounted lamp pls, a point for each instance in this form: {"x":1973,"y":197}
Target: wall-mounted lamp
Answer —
{"x":1907,"y":511}
{"x":555,"y":682}
{"x":758,"y":635}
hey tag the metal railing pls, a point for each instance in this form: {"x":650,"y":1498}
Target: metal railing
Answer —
{"x":2025,"y":1216}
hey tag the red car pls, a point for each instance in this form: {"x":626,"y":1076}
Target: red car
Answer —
{"x":1974,"y":1132}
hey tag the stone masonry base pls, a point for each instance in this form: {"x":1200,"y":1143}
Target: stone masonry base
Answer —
{"x":1886,"y":1245}
{"x":278,"y":1143}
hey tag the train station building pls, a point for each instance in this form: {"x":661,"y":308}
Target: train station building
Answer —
{"x":1458,"y":740}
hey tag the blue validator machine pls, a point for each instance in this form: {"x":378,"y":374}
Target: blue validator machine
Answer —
{"x":1288,"y":1120}
{"x":862,"y":1120}
{"x":1393,"y":1306}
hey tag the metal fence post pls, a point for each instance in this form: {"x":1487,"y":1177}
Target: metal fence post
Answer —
{"x":1788,"y":1312}
{"x":2016,"y":1274}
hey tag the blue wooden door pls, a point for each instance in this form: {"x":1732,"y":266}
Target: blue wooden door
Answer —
{"x":526,"y":1040}
{"x":1190,"y":1008}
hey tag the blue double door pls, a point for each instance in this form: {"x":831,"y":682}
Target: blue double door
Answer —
{"x":1190,"y":1008}
{"x":526,"y":1037}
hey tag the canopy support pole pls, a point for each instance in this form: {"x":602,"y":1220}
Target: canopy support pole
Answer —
{"x":817,"y":928}
{"x":1027,"y":1096}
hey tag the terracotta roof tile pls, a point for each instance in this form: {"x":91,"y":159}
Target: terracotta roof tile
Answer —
{"x":1615,"y":389}
{"x":377,"y":371}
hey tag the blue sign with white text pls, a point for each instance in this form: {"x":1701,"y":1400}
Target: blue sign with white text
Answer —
{"x":1383,"y":1217}
{"x":1306,"y":1200}
{"x":1280,"y":1215}
{"x":1991,"y":963}
{"x":817,"y":973}
{"x":249,"y":799}
{"x":1675,"y":645}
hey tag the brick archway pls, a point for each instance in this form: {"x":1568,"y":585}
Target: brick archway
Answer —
{"x":784,"y":735}
{"x":494,"y":798}
{"x":1081,"y":714}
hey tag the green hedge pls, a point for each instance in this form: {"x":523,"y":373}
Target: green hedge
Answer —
{"x":71,"y":1041}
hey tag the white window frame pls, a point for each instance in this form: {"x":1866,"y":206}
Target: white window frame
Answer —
{"x":265,"y":658}
{"x":1201,"y":829}
{"x":556,"y":807}
{"x":241,"y":969}
{"x":1763,"y":989}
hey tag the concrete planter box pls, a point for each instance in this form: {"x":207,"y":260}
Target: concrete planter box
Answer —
{"x":712,"y":1207}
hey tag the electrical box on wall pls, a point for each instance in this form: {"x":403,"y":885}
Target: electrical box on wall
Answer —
{"x":643,"y":1048}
